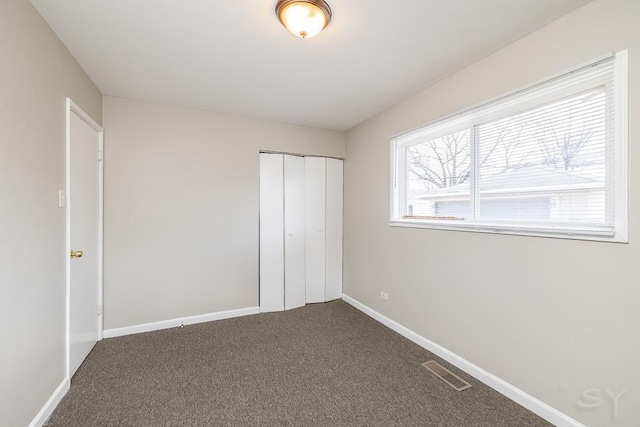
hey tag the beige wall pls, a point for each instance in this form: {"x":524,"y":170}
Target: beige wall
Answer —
{"x":553,"y":317}
{"x":37,"y":73}
{"x":181,"y":207}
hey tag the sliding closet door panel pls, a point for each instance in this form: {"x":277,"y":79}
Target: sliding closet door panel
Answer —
{"x":314,"y":196}
{"x":271,"y":232}
{"x":334,"y":209}
{"x":294,"y":264}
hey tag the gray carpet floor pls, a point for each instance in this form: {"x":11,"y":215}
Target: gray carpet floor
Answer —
{"x":320,"y":365}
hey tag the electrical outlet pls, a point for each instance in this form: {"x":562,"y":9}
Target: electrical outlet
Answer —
{"x":384,"y":296}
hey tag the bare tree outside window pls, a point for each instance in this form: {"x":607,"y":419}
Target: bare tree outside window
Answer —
{"x":559,"y":145}
{"x":446,"y":161}
{"x":563,"y":151}
{"x":575,"y":140}
{"x":441,"y":162}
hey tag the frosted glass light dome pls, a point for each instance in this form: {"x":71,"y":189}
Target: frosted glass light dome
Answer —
{"x":304,"y":18}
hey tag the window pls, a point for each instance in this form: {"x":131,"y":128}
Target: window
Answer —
{"x":548,"y":160}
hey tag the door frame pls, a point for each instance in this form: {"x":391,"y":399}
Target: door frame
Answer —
{"x":73,"y":108}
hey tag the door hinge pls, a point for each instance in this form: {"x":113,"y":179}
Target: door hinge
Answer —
{"x":99,"y":310}
{"x":99,"y":155}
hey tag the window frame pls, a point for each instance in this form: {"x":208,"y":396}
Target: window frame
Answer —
{"x":528,"y":97}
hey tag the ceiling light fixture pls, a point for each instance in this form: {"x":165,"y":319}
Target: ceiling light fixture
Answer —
{"x":304,"y":18}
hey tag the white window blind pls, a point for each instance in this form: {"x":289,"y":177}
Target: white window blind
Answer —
{"x":549,"y":160}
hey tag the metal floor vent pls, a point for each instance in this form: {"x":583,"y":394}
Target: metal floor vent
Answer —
{"x":446,"y":375}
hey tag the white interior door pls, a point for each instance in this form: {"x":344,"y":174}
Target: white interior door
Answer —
{"x":83,"y":196}
{"x":271,"y":232}
{"x":294,"y":239}
{"x":334,"y":213}
{"x":314,"y":196}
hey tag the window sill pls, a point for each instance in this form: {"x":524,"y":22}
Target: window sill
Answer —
{"x":588,"y":234}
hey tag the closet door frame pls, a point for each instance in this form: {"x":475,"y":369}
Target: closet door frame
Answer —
{"x":301,"y":230}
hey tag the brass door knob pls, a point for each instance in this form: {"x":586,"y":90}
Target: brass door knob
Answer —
{"x":76,"y":254}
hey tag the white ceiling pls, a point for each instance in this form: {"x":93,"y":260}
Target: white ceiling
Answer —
{"x":233,"y":56}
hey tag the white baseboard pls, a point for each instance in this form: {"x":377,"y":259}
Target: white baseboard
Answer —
{"x":531,"y":403}
{"x":51,"y":404}
{"x":182,"y":321}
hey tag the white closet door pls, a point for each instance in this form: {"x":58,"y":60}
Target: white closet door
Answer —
{"x":294,"y":246}
{"x":271,"y":232}
{"x":314,"y":196}
{"x":334,"y":191}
